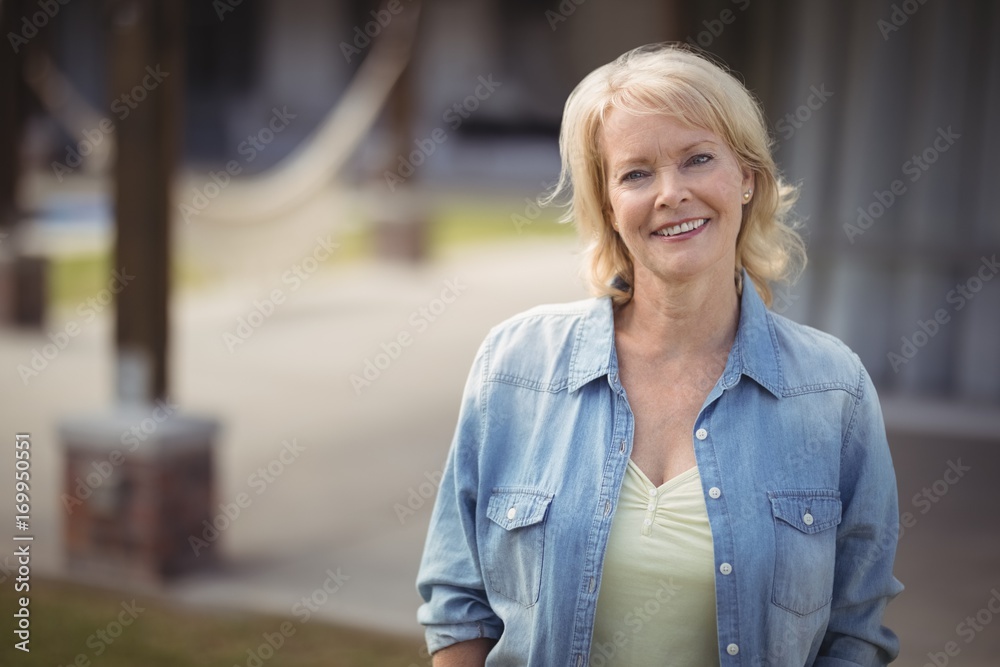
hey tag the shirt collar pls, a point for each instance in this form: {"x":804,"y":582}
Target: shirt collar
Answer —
{"x":754,"y":352}
{"x":594,"y":348}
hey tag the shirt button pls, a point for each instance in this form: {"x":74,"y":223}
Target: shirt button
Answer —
{"x":607,"y":507}
{"x":647,"y":522}
{"x":701,"y":434}
{"x":651,"y":506}
{"x":725,"y":568}
{"x":714,"y":492}
{"x":652,"y":492}
{"x":807,"y":519}
{"x":511,"y":513}
{"x":732,"y":649}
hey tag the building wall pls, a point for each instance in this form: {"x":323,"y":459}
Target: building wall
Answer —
{"x":853,"y":91}
{"x":927,"y":87}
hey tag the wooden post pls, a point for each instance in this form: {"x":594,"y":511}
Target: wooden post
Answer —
{"x":142,"y":512}
{"x":22,"y":277}
{"x":401,"y":226}
{"x":146,"y":74}
{"x":10,"y":120}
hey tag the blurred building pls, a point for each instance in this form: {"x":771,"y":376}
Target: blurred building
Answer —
{"x":882,"y":111}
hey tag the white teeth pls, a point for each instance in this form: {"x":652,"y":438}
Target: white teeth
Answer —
{"x":683,"y":227}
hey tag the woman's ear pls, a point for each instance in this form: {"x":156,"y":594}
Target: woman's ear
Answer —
{"x":748,"y":181}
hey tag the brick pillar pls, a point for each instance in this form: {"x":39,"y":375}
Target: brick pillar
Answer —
{"x":136,"y":490}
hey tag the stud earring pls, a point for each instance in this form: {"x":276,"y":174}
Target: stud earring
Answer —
{"x":746,"y":195}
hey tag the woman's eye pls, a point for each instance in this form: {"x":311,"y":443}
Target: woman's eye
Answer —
{"x":701,"y":159}
{"x":633,"y":176}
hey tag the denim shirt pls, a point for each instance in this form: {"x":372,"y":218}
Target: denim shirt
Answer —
{"x":795,"y":467}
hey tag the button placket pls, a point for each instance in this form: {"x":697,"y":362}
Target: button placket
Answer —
{"x":647,"y":523}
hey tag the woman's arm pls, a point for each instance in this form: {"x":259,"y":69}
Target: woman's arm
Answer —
{"x":456,"y":607}
{"x":464,"y":654}
{"x":866,"y":543}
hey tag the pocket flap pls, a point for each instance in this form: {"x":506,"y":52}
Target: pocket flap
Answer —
{"x":516,"y":508}
{"x":807,"y":511}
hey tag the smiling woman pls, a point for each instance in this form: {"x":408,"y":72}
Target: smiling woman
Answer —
{"x":668,"y":184}
{"x":656,"y":86}
{"x":628,"y":482}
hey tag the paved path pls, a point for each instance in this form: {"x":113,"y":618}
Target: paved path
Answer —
{"x":333,"y":508}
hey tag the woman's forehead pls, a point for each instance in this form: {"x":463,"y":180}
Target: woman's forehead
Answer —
{"x":666,"y":130}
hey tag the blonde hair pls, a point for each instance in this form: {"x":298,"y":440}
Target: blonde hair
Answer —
{"x":672,"y":80}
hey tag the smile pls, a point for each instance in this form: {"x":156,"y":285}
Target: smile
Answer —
{"x":684,"y":227}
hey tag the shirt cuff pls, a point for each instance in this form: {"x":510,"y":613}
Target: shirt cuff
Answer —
{"x":443,"y":636}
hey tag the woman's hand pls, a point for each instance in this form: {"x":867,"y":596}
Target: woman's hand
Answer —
{"x":464,"y":654}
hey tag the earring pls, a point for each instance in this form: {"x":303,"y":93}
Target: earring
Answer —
{"x":746,"y":195}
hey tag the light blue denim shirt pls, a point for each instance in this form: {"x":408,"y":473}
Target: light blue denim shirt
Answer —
{"x":795,"y":467}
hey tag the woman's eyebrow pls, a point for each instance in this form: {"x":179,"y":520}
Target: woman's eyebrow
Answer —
{"x":640,"y":158}
{"x":698,"y":142}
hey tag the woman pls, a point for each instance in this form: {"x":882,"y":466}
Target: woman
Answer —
{"x":668,"y":473}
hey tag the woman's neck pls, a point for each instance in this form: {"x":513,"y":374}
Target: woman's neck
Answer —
{"x":677,"y":320}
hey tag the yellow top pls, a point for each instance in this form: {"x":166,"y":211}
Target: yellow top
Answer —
{"x":656,"y":605}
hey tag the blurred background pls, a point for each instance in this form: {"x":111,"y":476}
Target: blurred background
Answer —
{"x":248,"y":249}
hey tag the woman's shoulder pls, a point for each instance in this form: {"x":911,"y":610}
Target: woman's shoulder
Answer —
{"x":554,"y":317}
{"x":566,"y":314}
{"x":811,"y":358}
{"x":539,"y":345}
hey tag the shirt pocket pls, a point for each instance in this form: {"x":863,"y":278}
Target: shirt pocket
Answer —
{"x":514,"y":543}
{"x":805,"y":541}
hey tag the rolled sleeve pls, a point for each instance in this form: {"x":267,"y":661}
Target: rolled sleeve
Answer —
{"x":450,"y":581}
{"x":866,"y":542}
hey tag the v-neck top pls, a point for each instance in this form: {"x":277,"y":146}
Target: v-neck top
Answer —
{"x":656,"y":604}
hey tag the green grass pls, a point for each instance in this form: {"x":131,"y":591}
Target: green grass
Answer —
{"x":66,"y":617}
{"x":74,"y":279}
{"x":464,"y":224}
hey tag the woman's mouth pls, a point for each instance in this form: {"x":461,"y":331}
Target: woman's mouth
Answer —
{"x":683,"y":230}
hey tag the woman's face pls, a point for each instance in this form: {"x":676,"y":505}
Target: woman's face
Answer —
{"x":665,"y":177}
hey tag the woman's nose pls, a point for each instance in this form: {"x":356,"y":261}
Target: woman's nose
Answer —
{"x":671,"y":190}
